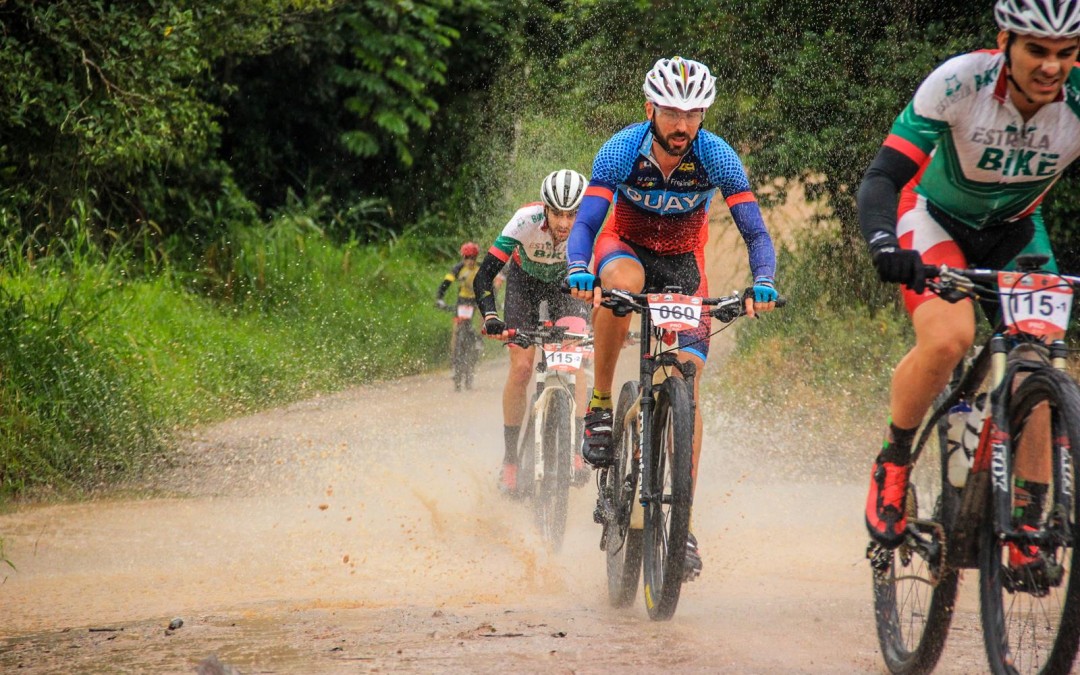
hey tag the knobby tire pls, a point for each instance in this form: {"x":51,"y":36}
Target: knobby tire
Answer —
{"x":914,"y":596}
{"x":622,"y":544}
{"x":1023,"y":632}
{"x":667,"y":521}
{"x":553,"y":493}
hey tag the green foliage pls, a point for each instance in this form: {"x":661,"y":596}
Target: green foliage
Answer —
{"x":98,"y":367}
{"x":103,"y":102}
{"x":821,"y":341}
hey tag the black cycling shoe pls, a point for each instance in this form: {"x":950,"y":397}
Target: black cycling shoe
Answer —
{"x":692,"y":566}
{"x":596,"y":445}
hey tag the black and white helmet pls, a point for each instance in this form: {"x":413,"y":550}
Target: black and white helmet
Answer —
{"x":563,"y":190}
{"x":1040,"y":18}
{"x":680,"y":83}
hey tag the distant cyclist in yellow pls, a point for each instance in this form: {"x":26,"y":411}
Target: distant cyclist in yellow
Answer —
{"x":463,"y":275}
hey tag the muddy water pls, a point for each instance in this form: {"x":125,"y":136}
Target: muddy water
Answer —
{"x":362,"y":532}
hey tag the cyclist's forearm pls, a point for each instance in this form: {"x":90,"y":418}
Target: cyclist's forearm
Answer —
{"x":879,"y":194}
{"x":483,"y":283}
{"x":587,"y":225}
{"x":759,"y":245}
{"x":443,"y":286}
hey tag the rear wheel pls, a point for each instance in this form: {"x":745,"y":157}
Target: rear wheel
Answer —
{"x":465,"y":355}
{"x":914,"y":590}
{"x":622,"y":542}
{"x":553,"y":491}
{"x":1031,"y":606}
{"x":667,"y":514}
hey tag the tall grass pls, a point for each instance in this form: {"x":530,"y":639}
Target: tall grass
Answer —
{"x":100,"y":362}
{"x":830,"y":353}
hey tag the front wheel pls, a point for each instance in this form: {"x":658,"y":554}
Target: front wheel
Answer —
{"x":553,"y":491}
{"x":914,"y":589}
{"x":465,"y":355}
{"x":667,"y":514}
{"x":622,"y":540}
{"x":1030,"y":596}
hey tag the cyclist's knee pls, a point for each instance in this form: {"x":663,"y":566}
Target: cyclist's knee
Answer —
{"x":624,"y":273}
{"x":520,"y":372}
{"x":947,"y":346}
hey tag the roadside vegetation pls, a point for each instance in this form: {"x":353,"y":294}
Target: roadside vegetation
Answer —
{"x":210,"y":208}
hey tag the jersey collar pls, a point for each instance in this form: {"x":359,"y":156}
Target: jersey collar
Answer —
{"x":1001,"y":88}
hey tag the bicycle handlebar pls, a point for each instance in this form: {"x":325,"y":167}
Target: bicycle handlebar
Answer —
{"x":955,"y":283}
{"x":725,"y":305}
{"x":546,"y":335}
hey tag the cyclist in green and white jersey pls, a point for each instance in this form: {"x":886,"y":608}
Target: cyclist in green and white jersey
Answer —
{"x":532,"y":246}
{"x":959,"y":181}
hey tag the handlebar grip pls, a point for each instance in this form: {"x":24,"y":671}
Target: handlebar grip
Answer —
{"x":931,"y":271}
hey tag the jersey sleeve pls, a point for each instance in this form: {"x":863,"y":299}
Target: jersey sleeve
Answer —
{"x":727,"y":173}
{"x":943,"y":97}
{"x":511,"y":236}
{"x":611,"y":167}
{"x":450,"y":278}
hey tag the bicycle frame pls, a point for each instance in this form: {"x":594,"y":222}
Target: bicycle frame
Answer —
{"x":655,"y":365}
{"x":547,"y":382}
{"x":986,"y":492}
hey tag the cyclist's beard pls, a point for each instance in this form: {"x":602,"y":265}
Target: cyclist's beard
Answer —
{"x":665,"y":141}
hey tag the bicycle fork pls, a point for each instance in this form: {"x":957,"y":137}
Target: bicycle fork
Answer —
{"x":988,"y":492}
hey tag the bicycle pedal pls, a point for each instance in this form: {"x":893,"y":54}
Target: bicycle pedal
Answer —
{"x":880,"y":557}
{"x":598,"y":515}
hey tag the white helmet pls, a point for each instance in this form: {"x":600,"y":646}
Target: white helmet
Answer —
{"x":563,"y":190}
{"x":680,"y":83}
{"x":1041,"y":18}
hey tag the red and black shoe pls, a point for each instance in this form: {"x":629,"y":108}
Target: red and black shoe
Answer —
{"x":508,"y":479}
{"x":885,"y":516}
{"x":596,"y":446}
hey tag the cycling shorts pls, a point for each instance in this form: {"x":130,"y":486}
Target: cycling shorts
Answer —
{"x":942,"y":241}
{"x":524,"y":293}
{"x":685,"y":270}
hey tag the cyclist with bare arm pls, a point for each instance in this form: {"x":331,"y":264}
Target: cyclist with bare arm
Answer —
{"x":959,"y":181}
{"x":659,"y":178}
{"x":532,"y":246}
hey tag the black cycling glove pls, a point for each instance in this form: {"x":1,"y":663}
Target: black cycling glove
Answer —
{"x":900,"y":266}
{"x":493,"y":325}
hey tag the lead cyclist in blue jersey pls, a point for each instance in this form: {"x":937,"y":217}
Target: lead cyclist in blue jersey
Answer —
{"x":659,"y":178}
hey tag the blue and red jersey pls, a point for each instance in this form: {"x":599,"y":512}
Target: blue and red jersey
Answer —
{"x":667,"y":214}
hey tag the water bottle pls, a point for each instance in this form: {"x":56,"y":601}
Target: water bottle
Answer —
{"x":973,"y":426}
{"x":958,"y":463}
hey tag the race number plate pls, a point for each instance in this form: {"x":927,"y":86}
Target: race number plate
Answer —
{"x":565,"y":358}
{"x":1037,"y":304}
{"x":465,"y":311}
{"x":674,"y":311}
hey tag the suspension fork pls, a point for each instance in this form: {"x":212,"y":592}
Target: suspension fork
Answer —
{"x":648,"y":403}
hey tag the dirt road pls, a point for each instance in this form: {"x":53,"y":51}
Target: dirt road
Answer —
{"x":362,"y":532}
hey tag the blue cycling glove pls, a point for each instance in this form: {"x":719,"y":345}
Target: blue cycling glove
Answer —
{"x":581,"y":279}
{"x":764,"y":290}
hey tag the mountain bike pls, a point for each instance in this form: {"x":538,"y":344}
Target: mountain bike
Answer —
{"x":546,"y":450}
{"x":466,"y":346}
{"x":962,"y":511}
{"x":644,"y":500}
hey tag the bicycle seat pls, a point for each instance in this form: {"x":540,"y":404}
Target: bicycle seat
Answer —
{"x":573,"y":324}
